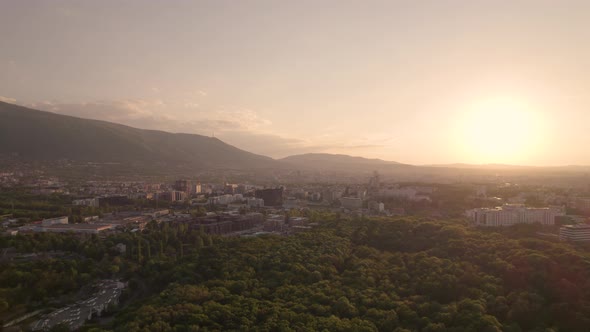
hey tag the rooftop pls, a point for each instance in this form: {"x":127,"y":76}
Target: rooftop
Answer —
{"x":79,"y":226}
{"x":578,"y":226}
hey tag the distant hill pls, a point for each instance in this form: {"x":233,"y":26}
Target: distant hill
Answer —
{"x":506,"y":167}
{"x":38,"y":135}
{"x":337,"y":162}
{"x":481,"y":166}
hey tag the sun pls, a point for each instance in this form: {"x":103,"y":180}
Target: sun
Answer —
{"x":498,"y":130}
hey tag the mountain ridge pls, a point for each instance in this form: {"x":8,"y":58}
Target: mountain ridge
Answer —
{"x":40,"y":135}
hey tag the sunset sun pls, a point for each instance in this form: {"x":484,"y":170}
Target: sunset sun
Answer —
{"x":499,"y":130}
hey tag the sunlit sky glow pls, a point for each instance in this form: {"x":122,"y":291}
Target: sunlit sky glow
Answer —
{"x":421,"y":82}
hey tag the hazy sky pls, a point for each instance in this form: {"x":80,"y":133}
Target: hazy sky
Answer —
{"x":413,"y":81}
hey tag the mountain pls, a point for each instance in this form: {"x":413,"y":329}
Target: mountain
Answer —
{"x":39,"y":135}
{"x":337,"y":162}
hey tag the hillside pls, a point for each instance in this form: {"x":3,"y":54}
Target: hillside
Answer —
{"x":38,"y":135}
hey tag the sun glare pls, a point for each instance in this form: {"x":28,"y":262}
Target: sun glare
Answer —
{"x":499,"y":131}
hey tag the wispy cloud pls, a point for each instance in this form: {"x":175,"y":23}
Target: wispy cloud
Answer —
{"x":241,"y":127}
{"x":7,"y":99}
{"x":160,"y":114}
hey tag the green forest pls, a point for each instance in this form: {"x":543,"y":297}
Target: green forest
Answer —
{"x":403,"y":274}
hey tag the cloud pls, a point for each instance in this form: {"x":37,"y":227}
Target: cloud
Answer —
{"x":241,"y":127}
{"x":7,"y":100}
{"x":279,"y":146}
{"x":159,"y":114}
{"x":266,"y":144}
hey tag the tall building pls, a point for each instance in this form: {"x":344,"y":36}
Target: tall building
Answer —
{"x":230,"y":188}
{"x":178,"y":196}
{"x":374,"y":183}
{"x":271,"y":197}
{"x":512,"y":214}
{"x":183,"y":185}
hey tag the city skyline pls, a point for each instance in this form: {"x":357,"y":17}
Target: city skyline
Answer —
{"x":419,"y":83}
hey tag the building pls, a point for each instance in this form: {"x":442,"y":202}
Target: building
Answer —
{"x":271,"y":197}
{"x":409,"y":193}
{"x":255,"y":202}
{"x":275,"y":223}
{"x":75,"y":228}
{"x":575,"y":233}
{"x":178,"y":196}
{"x":55,"y":221}
{"x":121,"y":248}
{"x":376,"y":207}
{"x":115,"y":200}
{"x":226,"y":223}
{"x":157,"y":213}
{"x":183,"y":186}
{"x":138,"y":195}
{"x":91,"y":218}
{"x":92,"y":202}
{"x":374,"y":183}
{"x":351,"y":203}
{"x":11,"y":232}
{"x":198,"y":188}
{"x":315,"y":197}
{"x":512,"y":214}
{"x":225,"y":199}
{"x":230,"y":188}
{"x":292,"y":203}
{"x":330,"y":196}
{"x":580,"y":203}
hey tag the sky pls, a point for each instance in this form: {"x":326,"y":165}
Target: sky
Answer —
{"x":420,"y":82}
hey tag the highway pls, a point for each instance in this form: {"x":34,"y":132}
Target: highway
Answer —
{"x":75,"y":315}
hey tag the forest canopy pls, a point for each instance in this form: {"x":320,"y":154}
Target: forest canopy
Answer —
{"x":372,"y":275}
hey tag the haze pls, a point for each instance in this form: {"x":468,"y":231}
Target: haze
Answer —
{"x":417,"y":82}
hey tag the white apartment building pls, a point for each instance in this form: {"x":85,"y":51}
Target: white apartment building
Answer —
{"x":511,"y":214}
{"x":575,"y":233}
